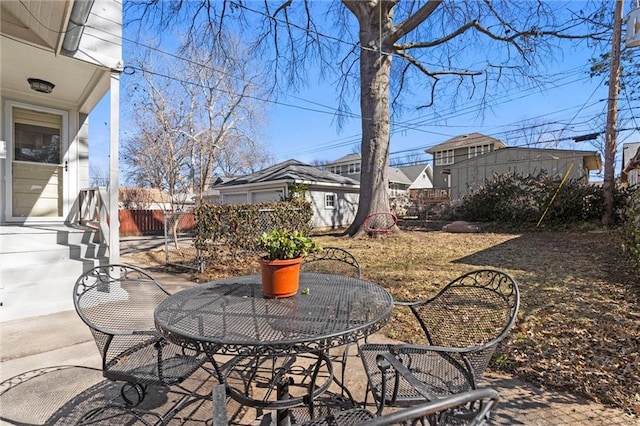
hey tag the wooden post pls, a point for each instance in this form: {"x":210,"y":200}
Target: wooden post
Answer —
{"x":612,"y":116}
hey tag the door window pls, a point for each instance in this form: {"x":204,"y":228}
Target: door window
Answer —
{"x":37,"y":175}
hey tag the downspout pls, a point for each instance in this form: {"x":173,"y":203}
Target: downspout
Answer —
{"x":77,"y":21}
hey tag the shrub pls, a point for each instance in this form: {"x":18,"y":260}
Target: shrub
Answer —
{"x":236,"y":226}
{"x":630,"y":229}
{"x":525,"y":200}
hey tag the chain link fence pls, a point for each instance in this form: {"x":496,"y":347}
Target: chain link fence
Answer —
{"x":179,"y":231}
{"x":179,"y":234}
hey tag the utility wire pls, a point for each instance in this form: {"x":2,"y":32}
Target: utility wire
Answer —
{"x":399,"y":126}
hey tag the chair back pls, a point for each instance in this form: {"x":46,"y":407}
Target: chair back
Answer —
{"x":471,"y":408}
{"x":476,"y":309}
{"x":332,"y":260}
{"x":117,"y":300}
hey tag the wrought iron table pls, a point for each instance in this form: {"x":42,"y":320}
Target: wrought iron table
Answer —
{"x":232,"y":316}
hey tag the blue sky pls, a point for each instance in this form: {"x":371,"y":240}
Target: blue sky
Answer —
{"x":573,"y":102}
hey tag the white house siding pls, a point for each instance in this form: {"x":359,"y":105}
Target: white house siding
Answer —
{"x":343,"y":213}
{"x":422,"y":182}
{"x":472,"y":174}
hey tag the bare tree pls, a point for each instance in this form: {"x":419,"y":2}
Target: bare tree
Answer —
{"x":98,"y":176}
{"x":194,"y":119}
{"x":156,"y":157}
{"x":458,"y":49}
{"x":319,"y":163}
{"x":137,"y":198}
{"x":221,"y":87}
{"x":408,"y":160}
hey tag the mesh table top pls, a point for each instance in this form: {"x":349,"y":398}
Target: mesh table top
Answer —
{"x":233,"y":316}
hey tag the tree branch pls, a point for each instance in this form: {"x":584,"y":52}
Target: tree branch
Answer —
{"x":439,"y":41}
{"x":414,"y":20}
{"x":434,"y":74}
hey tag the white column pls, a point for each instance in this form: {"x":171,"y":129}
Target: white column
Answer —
{"x":114,"y":182}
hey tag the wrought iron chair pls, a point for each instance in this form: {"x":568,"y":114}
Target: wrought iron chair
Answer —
{"x":332,"y":260}
{"x":117,"y":302}
{"x":468,"y":408}
{"x":463,"y":324}
{"x":471,"y":408}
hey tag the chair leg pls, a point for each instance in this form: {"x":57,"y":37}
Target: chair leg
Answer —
{"x":219,"y":396}
{"x":133,"y":399}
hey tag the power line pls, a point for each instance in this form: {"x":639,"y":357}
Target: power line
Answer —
{"x":400,"y":126}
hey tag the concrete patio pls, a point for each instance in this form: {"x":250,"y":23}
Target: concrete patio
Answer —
{"x":32,"y":392}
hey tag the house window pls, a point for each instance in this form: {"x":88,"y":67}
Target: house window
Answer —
{"x":354,"y":168}
{"x":444,"y":157}
{"x":329,"y":201}
{"x":474,"y":151}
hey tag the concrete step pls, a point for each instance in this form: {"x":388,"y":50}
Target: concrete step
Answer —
{"x":52,"y":254}
{"x":30,"y":239}
{"x":43,"y":273}
{"x":40,"y":289}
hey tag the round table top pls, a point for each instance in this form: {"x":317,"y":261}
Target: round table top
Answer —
{"x":232,"y":315}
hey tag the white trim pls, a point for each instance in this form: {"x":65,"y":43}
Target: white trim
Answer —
{"x":114,"y":177}
{"x":446,"y":157}
{"x":68,"y":146}
{"x":476,"y":150}
{"x":332,"y":204}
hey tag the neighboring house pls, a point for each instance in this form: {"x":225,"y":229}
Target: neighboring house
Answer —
{"x":458,"y":149}
{"x":58,"y":60}
{"x":401,"y":179}
{"x":132,"y":198}
{"x":212,"y":194}
{"x":420,"y":175}
{"x":629,"y":150}
{"x":472,"y":173}
{"x":334,"y":198}
{"x":349,"y":165}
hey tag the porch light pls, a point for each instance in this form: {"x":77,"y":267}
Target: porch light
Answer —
{"x":41,"y":86}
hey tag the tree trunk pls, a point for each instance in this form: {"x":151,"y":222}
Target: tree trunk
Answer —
{"x":612,"y":118}
{"x":375,"y":68}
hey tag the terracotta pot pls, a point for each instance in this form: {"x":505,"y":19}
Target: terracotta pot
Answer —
{"x":280,"y":278}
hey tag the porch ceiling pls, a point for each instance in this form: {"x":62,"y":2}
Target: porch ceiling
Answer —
{"x":32,"y":34}
{"x":36,"y":21}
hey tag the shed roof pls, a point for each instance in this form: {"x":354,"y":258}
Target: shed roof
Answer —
{"x":462,"y":141}
{"x":294,"y":171}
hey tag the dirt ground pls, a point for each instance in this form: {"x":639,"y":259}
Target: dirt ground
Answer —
{"x":578,"y":327}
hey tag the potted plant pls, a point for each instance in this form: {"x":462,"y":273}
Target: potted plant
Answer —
{"x":280,"y":263}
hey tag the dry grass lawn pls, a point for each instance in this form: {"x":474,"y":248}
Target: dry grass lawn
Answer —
{"x":578,"y":328}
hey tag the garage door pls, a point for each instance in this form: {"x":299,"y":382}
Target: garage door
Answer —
{"x":266,"y":196}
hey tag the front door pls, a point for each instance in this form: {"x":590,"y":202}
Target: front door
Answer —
{"x":39,"y":164}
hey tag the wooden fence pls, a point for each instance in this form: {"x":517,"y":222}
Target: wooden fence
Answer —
{"x":148,"y":222}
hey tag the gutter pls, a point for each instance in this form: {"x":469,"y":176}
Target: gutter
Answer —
{"x":77,"y":21}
